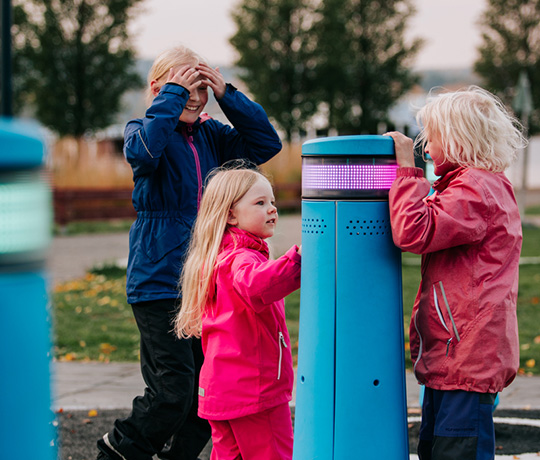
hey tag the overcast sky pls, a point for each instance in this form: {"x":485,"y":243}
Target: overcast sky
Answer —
{"x":449,"y":28}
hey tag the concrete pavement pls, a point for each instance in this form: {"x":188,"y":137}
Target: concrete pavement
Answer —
{"x":94,"y":385}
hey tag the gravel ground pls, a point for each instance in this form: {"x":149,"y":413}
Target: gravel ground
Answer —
{"x":78,"y":433}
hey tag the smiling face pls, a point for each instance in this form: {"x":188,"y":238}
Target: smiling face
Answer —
{"x":256,"y":212}
{"x":195,"y":104}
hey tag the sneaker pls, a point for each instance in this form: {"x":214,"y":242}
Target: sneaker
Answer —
{"x":106,"y":451}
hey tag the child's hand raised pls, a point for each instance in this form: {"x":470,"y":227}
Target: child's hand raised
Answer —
{"x":404,"y":149}
{"x":214,"y":79}
{"x":186,"y":76}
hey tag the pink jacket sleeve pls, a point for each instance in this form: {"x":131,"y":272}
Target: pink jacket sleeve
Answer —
{"x":265,"y":282}
{"x":423,"y":224}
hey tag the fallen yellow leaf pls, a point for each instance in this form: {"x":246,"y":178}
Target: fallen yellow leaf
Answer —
{"x":106,"y":348}
{"x":92,"y":413}
{"x":530,"y":363}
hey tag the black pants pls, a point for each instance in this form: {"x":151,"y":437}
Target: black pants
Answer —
{"x":167,"y":412}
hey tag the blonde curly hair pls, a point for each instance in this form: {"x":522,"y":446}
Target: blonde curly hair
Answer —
{"x":474,"y":127}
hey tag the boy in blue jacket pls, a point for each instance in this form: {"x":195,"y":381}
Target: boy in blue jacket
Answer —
{"x":171,"y":150}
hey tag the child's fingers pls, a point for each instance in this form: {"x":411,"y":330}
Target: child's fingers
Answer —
{"x":403,"y":146}
{"x":215,"y":79}
{"x":182,"y":74}
{"x":209,"y":72}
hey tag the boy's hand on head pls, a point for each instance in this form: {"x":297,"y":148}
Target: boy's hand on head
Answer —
{"x":404,"y":149}
{"x":186,"y":76}
{"x":215,"y":79}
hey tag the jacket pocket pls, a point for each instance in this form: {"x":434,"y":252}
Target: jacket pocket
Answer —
{"x":281,"y":344}
{"x":442,"y":306}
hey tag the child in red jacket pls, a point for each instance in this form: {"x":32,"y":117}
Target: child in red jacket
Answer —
{"x":233,"y":298}
{"x":463,"y":333}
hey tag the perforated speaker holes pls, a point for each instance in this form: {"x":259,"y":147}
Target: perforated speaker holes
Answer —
{"x":313,"y":226}
{"x":373,"y":227}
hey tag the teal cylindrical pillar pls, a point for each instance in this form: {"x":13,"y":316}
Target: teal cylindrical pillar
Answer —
{"x":351,"y":375}
{"x":26,"y":416}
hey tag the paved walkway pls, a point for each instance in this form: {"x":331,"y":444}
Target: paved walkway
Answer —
{"x":71,"y":256}
{"x":113,"y":386}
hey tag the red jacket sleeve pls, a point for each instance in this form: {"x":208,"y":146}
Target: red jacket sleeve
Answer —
{"x":453,"y":217}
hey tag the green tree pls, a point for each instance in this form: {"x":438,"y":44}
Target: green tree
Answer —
{"x":363,"y":60}
{"x":346,"y":58}
{"x":276,"y":58}
{"x":72,"y":61}
{"x":510,"y":45}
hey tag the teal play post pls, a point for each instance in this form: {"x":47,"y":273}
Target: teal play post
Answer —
{"x":27,"y":429}
{"x":350,"y":391}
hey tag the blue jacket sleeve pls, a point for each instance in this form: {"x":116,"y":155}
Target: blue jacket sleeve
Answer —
{"x":145,"y":139}
{"x":253,"y":136}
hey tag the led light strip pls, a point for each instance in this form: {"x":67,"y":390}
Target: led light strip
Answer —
{"x":348,"y":177}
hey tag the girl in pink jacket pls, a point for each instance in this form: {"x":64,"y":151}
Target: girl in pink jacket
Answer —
{"x":463,"y":333}
{"x":233,"y":299}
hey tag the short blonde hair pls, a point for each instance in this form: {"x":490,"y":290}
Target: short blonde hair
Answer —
{"x":225,"y":188}
{"x":173,"y":57}
{"x":474,"y":127}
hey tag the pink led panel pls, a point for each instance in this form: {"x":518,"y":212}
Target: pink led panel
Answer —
{"x":348,"y":176}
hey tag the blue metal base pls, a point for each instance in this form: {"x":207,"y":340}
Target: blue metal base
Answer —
{"x":26,"y":416}
{"x":351,"y":373}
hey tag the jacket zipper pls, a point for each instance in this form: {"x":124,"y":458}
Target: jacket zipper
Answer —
{"x":454,"y":327}
{"x":420,"y":337}
{"x":197,"y":165}
{"x":281,"y":343}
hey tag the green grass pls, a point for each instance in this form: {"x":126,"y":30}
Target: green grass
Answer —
{"x":533,"y":211}
{"x":94,"y":322}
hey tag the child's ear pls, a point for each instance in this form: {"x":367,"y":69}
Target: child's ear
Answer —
{"x":231,"y":218}
{"x":155,"y":87}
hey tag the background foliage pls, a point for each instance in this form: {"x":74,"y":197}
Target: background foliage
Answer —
{"x":73,"y":60}
{"x":347,"y":59}
{"x":510,"y":45}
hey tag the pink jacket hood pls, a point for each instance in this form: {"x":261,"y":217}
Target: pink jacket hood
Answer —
{"x":463,"y":332}
{"x":248,"y":362}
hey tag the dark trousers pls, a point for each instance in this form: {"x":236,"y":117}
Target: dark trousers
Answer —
{"x":457,"y":425}
{"x":167,"y":412}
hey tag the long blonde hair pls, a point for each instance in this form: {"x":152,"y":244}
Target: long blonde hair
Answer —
{"x":474,"y":128}
{"x":225,"y":188}
{"x":174,"y":57}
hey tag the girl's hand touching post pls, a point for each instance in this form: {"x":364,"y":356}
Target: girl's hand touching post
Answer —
{"x":404,"y":149}
{"x":214,"y":79}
